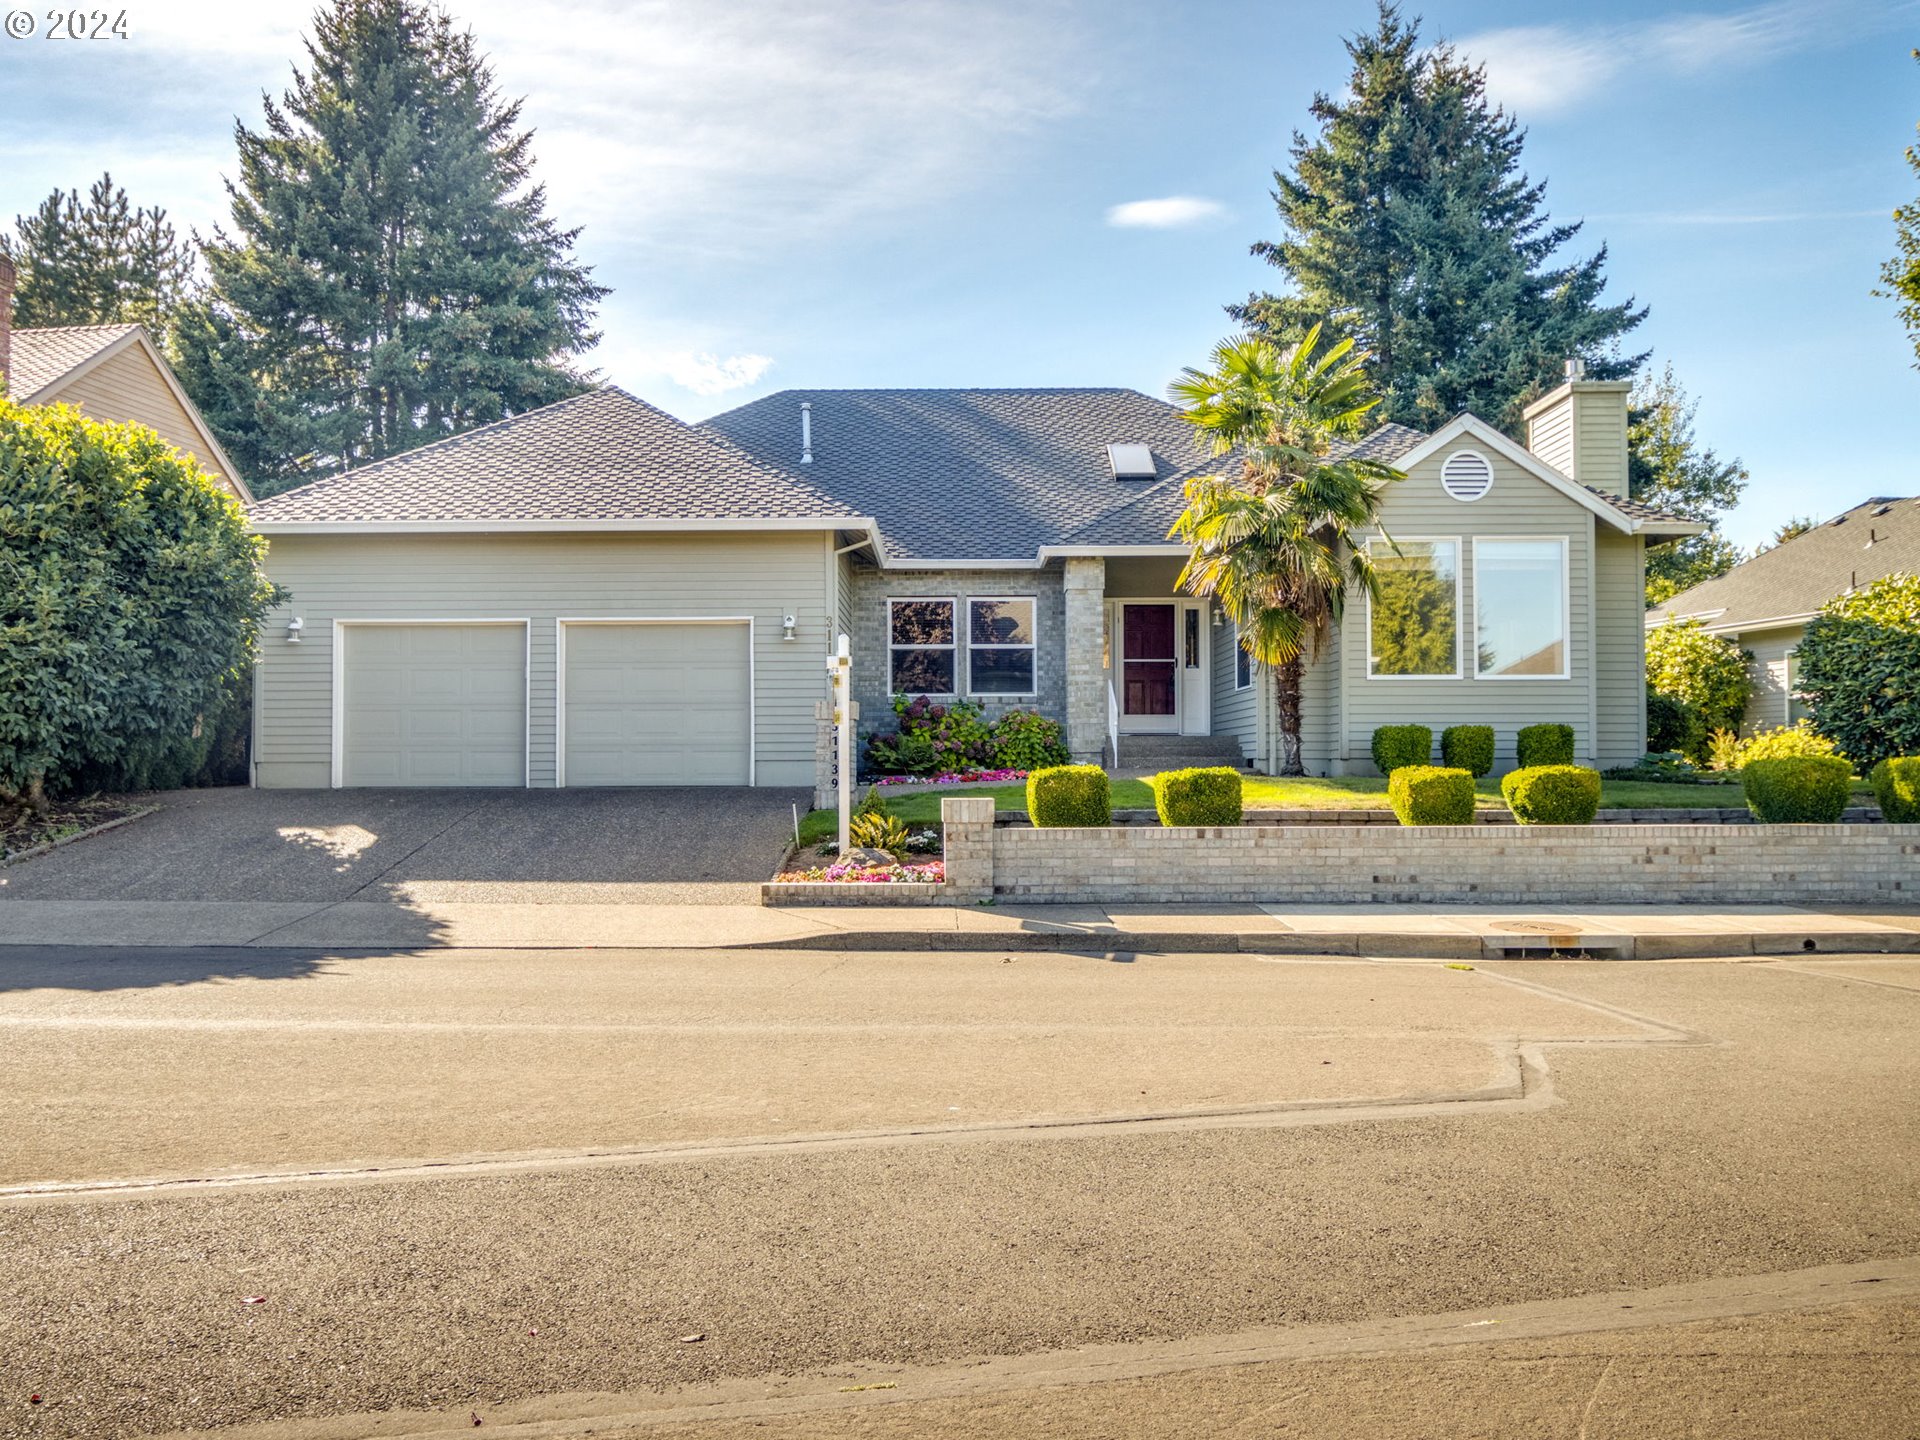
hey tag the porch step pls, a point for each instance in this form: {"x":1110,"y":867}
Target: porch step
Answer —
{"x":1151,"y":752}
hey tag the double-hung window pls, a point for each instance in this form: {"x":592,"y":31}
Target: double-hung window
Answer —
{"x":921,"y":648}
{"x":1000,"y":647}
{"x":1520,"y":604}
{"x":1413,"y":618}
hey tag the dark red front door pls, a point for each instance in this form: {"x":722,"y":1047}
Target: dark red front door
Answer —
{"x":1149,"y":663}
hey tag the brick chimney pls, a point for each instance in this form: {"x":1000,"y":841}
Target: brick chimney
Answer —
{"x":6,"y":323}
{"x":1581,"y":429}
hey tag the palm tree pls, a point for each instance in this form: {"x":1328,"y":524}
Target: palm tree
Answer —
{"x":1274,"y":544}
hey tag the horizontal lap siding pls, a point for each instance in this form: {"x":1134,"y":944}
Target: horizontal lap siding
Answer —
{"x":1521,"y":505}
{"x":1235,"y":712}
{"x":1767,"y":699}
{"x":542,"y":578}
{"x":128,"y":388}
{"x":1620,"y":588}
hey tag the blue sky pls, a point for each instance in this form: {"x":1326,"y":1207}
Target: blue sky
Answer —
{"x":1001,"y":192}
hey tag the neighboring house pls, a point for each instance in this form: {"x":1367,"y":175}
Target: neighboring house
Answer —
{"x":594,"y":593}
{"x":1764,"y":604}
{"x":112,"y":372}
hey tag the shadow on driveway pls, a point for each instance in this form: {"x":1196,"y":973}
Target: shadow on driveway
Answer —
{"x":664,"y":846}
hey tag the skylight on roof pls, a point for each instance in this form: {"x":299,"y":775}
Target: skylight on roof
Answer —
{"x":1131,"y":462}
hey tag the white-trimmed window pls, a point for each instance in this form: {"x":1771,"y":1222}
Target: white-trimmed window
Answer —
{"x":1000,"y":645}
{"x":1413,"y":623}
{"x":1797,"y":707}
{"x":1242,"y":662}
{"x":1520,"y":606}
{"x":922,"y":655}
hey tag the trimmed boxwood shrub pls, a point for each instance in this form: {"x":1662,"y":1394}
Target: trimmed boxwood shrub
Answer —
{"x":1552,"y":795}
{"x":1431,"y":795}
{"x":1468,"y":747}
{"x":1896,"y":784}
{"x":1069,"y":795}
{"x":1538,"y":745}
{"x":1803,"y":790}
{"x":1209,"y":796}
{"x":1397,"y":745}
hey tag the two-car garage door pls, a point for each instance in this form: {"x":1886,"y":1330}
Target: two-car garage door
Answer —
{"x":638,"y":704}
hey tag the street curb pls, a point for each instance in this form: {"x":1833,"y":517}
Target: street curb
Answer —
{"x":1388,"y":945}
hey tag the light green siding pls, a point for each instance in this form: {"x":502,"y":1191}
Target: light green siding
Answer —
{"x":1520,"y":505}
{"x":1235,"y":712}
{"x":1769,"y":699}
{"x":1620,"y":585}
{"x":540,"y":579}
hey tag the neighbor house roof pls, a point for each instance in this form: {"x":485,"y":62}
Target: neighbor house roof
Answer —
{"x":1789,"y":583}
{"x":602,"y":456}
{"x":43,"y":358}
{"x":974,"y":474}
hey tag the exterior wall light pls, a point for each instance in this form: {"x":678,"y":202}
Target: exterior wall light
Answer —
{"x":294,"y":627}
{"x":787,"y":622}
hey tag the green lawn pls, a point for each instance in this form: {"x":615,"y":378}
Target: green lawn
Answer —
{"x":1264,"y":792}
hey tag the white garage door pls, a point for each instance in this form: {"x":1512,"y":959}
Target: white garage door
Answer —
{"x":657,"y":704}
{"x":434,"y":705}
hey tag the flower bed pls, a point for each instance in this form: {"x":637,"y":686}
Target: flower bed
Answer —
{"x":934,"y":872}
{"x":956,"y":777}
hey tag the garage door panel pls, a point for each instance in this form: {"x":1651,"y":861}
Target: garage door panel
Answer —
{"x":434,"y":705}
{"x":658,"y":704}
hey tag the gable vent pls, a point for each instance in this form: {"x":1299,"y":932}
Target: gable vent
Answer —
{"x":1131,"y":462}
{"x":1467,"y":475}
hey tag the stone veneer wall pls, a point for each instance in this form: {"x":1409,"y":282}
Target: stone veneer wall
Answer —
{"x":872,"y":589}
{"x":1595,"y":865}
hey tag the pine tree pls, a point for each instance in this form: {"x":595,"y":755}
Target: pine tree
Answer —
{"x":98,"y":261}
{"x":1668,"y":468}
{"x":1901,"y":274}
{"x":1409,"y":221}
{"x":392,"y":276}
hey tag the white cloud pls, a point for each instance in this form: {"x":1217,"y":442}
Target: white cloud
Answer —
{"x":699,"y":372}
{"x":1168,"y":213}
{"x":1544,"y":69}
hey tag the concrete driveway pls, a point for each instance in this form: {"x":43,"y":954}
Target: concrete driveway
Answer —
{"x":705,"y":845}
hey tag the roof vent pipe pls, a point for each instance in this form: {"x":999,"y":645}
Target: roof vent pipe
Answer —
{"x":806,"y":432}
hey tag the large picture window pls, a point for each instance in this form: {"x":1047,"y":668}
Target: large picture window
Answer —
{"x":1520,"y":601}
{"x":920,"y":639}
{"x":1000,"y":647}
{"x":1414,"y":620}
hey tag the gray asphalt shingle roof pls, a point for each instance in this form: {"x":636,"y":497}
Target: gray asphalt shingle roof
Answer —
{"x":970,"y":474}
{"x":603,"y":455}
{"x":42,"y":356}
{"x":1877,"y":538}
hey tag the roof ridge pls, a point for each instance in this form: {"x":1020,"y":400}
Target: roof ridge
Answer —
{"x":20,"y":330}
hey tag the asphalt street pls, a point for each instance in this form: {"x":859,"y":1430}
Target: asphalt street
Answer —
{"x":1684,"y":1123}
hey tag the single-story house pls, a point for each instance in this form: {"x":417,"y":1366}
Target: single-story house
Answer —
{"x":1764,"y":604}
{"x":595,"y":593}
{"x":111,"y":372}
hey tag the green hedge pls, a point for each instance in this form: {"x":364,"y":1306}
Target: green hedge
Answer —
{"x":1209,"y":796}
{"x":1397,"y":745}
{"x":1069,"y":795}
{"x":1896,"y":784}
{"x":1468,"y":747}
{"x":1431,"y":795}
{"x":1804,"y":790}
{"x":1538,"y":745}
{"x":1552,"y":795}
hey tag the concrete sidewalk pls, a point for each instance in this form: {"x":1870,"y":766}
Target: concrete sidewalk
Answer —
{"x":589,"y":917}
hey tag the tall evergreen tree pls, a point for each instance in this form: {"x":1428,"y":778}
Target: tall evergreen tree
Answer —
{"x":1901,"y":274}
{"x":1409,"y":223}
{"x":392,"y":276}
{"x":1667,"y":467}
{"x":98,"y":261}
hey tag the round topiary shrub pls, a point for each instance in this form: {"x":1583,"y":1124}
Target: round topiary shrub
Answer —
{"x":1552,"y":795}
{"x":1538,"y":745}
{"x":1802,"y":790}
{"x":1398,"y":745}
{"x":1468,"y":747}
{"x":1896,"y":785}
{"x":1858,"y":666}
{"x":1431,"y":795}
{"x":1063,"y":796}
{"x":1208,"y":796}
